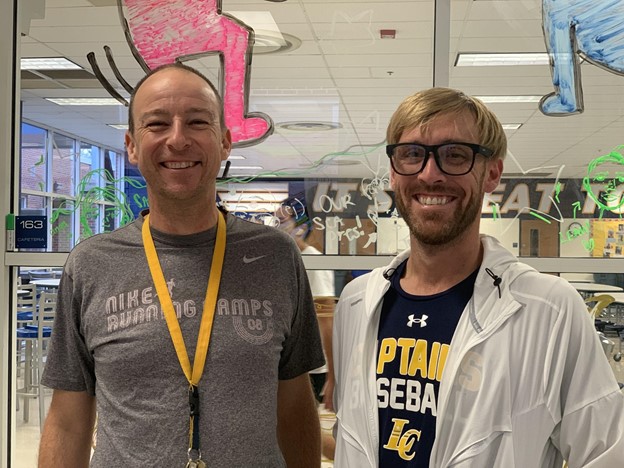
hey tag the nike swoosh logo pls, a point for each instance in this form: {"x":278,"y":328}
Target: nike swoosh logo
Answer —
{"x":252,"y":259}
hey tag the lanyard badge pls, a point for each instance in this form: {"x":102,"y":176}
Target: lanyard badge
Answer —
{"x":193,"y":375}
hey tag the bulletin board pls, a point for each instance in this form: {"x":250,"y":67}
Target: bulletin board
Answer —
{"x":608,"y":236}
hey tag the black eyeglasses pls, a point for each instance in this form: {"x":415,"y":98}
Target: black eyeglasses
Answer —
{"x":452,"y":158}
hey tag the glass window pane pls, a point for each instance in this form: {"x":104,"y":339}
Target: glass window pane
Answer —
{"x":89,"y":219}
{"x":62,"y":225}
{"x":109,"y":221}
{"x":89,"y":166}
{"x":33,"y":205}
{"x":63,"y":160}
{"x":111,"y":164}
{"x":89,"y":190}
{"x":33,"y":158}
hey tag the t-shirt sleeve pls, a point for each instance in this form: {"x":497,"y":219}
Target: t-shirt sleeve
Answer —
{"x":69,"y":364}
{"x":321,"y":282}
{"x":302,"y":351}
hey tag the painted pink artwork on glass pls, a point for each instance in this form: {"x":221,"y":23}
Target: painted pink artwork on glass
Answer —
{"x":167,"y":31}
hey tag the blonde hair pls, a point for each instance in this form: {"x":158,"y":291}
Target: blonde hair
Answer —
{"x":419,"y":109}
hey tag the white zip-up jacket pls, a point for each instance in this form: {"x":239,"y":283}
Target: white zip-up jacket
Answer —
{"x":526,"y":382}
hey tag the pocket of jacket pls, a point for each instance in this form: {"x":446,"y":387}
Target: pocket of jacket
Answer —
{"x":493,"y":451}
{"x":350,"y":452}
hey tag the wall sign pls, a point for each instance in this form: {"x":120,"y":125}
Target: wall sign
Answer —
{"x":31,"y":232}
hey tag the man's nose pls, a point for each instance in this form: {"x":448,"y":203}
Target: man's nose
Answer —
{"x":431,"y":172}
{"x":178,"y":137}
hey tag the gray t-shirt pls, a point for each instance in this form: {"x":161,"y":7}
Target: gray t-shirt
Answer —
{"x":111,"y":339}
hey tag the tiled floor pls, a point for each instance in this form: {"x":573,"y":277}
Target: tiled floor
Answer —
{"x":27,"y":434}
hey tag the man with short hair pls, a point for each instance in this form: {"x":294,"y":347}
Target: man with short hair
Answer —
{"x":293,"y":218}
{"x":457,"y":354}
{"x":190,"y":331}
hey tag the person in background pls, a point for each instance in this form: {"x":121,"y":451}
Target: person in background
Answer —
{"x":456,"y":354}
{"x":189,"y":331}
{"x":294,"y":220}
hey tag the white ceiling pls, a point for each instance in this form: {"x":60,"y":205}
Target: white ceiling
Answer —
{"x":344,"y":73}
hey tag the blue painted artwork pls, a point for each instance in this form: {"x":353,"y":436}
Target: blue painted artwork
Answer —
{"x":592,"y":30}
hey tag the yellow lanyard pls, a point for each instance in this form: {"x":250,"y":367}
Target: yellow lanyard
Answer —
{"x":212,"y":291}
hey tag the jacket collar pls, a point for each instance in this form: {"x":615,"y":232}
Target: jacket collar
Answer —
{"x":492,"y":293}
{"x":379,"y":282}
{"x":492,"y":287}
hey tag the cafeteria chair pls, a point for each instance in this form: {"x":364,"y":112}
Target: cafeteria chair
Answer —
{"x":616,"y":331}
{"x":26,"y":303}
{"x":26,"y":306}
{"x":35,"y":336}
{"x":597,"y":305}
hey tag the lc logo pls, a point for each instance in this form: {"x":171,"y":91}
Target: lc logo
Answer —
{"x":402,"y":442}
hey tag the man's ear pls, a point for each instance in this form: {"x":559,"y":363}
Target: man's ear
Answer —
{"x":226,"y":144}
{"x":494,"y":172}
{"x":131,"y":149}
{"x":392,"y":176}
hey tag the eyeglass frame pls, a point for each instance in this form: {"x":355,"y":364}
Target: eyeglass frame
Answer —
{"x":433,"y":149}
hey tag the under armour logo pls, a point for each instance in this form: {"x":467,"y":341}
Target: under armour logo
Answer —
{"x":422,"y":321}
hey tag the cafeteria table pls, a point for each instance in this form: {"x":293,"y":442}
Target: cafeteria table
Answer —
{"x":49,"y":283}
{"x":587,"y":289}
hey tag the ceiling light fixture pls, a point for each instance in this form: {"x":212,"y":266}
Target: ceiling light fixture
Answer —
{"x":341,"y":162}
{"x":514,"y":126}
{"x":119,"y":126}
{"x":249,"y":197}
{"x":251,"y":168}
{"x":508,"y":99}
{"x":48,"y":63}
{"x":309,"y":126}
{"x":496,"y":60}
{"x":263,"y":24}
{"x":267,"y":45}
{"x":232,"y":157}
{"x":85,"y":101}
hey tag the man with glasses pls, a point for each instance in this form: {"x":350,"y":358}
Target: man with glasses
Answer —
{"x":457,"y":354}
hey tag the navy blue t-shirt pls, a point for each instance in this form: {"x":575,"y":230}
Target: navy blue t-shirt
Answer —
{"x":412,"y":345}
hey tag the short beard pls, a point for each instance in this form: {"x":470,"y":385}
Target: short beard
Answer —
{"x":444,"y":233}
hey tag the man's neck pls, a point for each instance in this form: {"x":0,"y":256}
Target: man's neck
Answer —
{"x":184,"y":221}
{"x":434,"y":269}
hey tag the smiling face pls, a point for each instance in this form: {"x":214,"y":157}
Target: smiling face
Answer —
{"x":608,"y":179}
{"x":440,"y":209}
{"x":178,"y":143}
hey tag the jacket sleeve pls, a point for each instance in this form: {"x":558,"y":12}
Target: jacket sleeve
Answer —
{"x":581,"y":391}
{"x":337,"y":343}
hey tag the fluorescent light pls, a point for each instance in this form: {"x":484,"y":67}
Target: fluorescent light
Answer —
{"x":231,"y":157}
{"x":119,"y":126}
{"x":251,"y":168}
{"x":85,"y":101}
{"x":514,"y":126}
{"x":48,"y":63}
{"x":496,"y":60}
{"x":252,"y":197}
{"x":508,"y":99}
{"x":264,"y":26}
{"x":253,"y":207}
